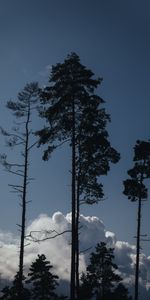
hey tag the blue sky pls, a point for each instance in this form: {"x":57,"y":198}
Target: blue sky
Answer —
{"x":113,"y":39}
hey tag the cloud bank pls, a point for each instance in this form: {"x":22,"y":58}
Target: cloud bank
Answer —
{"x":57,"y":249}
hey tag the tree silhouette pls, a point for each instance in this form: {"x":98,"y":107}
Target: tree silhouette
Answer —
{"x":21,"y":137}
{"x":101,"y":276}
{"x":136,"y":190}
{"x":94,"y":154}
{"x":74,"y":114}
{"x":13,"y":293}
{"x":120,"y":293}
{"x":43,"y":282}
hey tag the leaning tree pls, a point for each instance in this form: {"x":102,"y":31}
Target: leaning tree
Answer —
{"x":21,"y":137}
{"x":135,"y":190}
{"x":75,"y":114}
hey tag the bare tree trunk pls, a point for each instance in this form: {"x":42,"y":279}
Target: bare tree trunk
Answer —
{"x":77,"y":242}
{"x":138,"y":243}
{"x":138,"y":251}
{"x":77,"y":220}
{"x":23,"y":221}
{"x":73,"y":237}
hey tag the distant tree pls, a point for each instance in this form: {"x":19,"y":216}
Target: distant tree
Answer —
{"x":12,"y":293}
{"x":135,"y":190}
{"x":86,"y":288}
{"x":101,"y":276}
{"x":43,"y":282}
{"x":120,"y":293}
{"x":20,"y":137}
{"x":74,"y":113}
{"x":6,"y":293}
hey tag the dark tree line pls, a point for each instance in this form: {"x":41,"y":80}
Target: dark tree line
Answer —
{"x":75,"y":115}
{"x":100,"y":281}
{"x":40,"y":285}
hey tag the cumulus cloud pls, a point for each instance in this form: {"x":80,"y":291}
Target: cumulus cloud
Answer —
{"x":57,"y":250}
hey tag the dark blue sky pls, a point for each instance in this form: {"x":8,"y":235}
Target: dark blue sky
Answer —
{"x":113,"y":39}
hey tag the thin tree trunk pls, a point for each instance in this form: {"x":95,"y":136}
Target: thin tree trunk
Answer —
{"x":103,"y":287}
{"x":77,"y":241}
{"x":138,"y":244}
{"x":77,"y":221}
{"x":73,"y":237}
{"x":21,"y":257}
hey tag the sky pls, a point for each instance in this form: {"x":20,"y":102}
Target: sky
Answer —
{"x":112,"y":38}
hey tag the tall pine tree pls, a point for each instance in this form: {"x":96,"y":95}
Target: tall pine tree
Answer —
{"x":135,"y":190}
{"x":74,"y":112}
{"x":101,"y":277}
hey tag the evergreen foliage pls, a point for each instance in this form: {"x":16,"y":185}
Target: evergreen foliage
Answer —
{"x":120,"y":293}
{"x":13,"y":292}
{"x":101,"y":276}
{"x":43,"y":282}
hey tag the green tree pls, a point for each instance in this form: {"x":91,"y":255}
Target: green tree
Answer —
{"x":43,"y":282}
{"x":74,"y":113}
{"x":101,"y":276}
{"x":21,"y":137}
{"x":135,"y":190}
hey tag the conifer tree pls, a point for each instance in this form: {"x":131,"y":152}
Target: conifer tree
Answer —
{"x":12,"y":293}
{"x":74,"y":112}
{"x":43,"y":282}
{"x":22,"y":138}
{"x":94,"y":155}
{"x":135,"y":190}
{"x":120,"y":293}
{"x":101,"y":277}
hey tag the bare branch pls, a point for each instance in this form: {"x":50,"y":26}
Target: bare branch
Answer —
{"x":27,"y":244}
{"x":5,"y":133}
{"x":65,"y":141}
{"x":16,"y":190}
{"x":30,"y":237}
{"x":16,"y":173}
{"x":30,"y":179}
{"x":19,"y":225}
{"x":14,"y":185}
{"x":29,"y":201}
{"x":15,"y":165}
{"x":83,"y":251}
{"x":32,"y":145}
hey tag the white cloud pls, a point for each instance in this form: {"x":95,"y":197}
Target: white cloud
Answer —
{"x":57,"y":250}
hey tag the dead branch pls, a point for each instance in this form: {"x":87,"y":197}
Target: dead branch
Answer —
{"x":30,"y":236}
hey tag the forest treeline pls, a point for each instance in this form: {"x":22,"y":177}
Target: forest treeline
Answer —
{"x":99,"y":281}
{"x":73,"y":114}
